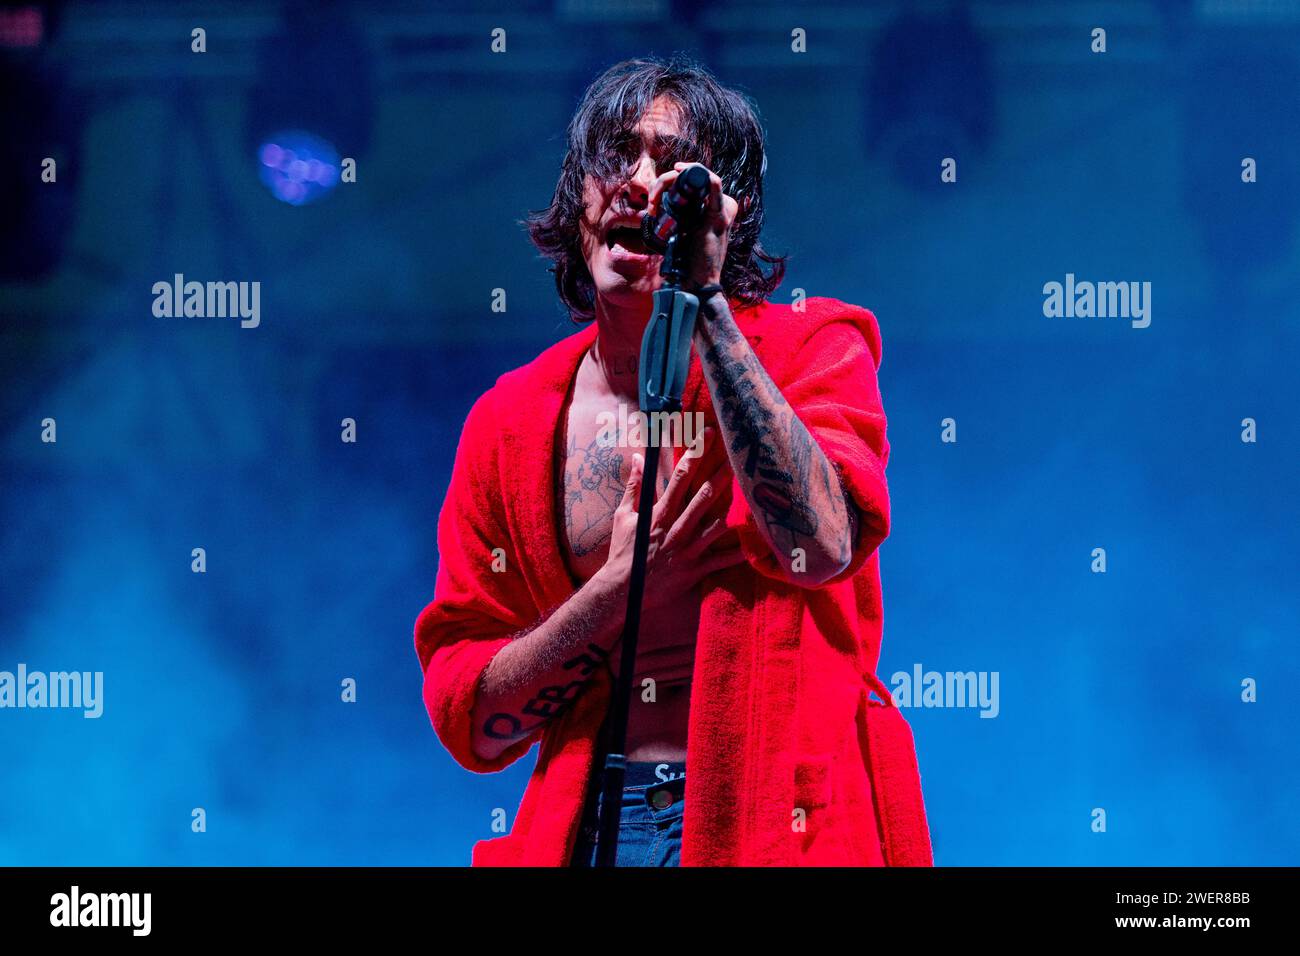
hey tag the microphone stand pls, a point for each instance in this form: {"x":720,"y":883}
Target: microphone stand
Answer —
{"x":665,"y":359}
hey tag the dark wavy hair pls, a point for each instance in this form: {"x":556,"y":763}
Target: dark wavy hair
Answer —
{"x":720,"y":129}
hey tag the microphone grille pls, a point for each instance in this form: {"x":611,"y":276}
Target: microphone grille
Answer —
{"x":694,"y":181}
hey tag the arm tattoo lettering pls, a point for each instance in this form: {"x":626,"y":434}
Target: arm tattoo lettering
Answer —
{"x":549,"y":702}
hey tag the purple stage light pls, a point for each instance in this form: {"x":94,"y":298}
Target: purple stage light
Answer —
{"x":297,"y":167}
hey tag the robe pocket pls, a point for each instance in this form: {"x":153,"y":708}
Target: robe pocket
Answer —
{"x":812,"y":781}
{"x":812,"y":795}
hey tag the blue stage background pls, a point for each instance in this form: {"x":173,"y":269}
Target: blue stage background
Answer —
{"x":1119,"y":691}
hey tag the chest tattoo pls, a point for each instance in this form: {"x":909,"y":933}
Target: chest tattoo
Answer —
{"x":593,"y":487}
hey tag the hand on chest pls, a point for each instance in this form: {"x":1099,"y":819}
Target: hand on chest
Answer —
{"x":593,"y":478}
{"x":594,"y":459}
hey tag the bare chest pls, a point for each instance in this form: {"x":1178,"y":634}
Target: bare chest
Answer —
{"x":591,"y":474}
{"x":592,"y":464}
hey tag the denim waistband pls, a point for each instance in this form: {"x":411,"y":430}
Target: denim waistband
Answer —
{"x":646,"y":796}
{"x":650,"y":813}
{"x":639,"y":775}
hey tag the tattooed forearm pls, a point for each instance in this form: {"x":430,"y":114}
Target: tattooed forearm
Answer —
{"x":549,"y":702}
{"x":543,"y":671}
{"x":789,"y":483}
{"x":783,"y":495}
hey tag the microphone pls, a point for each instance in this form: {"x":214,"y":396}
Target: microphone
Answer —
{"x":681,"y":205}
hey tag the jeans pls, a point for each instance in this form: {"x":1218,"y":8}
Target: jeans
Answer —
{"x":650,"y":817}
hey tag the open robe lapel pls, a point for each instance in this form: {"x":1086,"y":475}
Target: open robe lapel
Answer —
{"x":551,"y":813}
{"x":528,"y":438}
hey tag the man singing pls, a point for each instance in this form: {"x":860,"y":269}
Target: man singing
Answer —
{"x":761,"y":623}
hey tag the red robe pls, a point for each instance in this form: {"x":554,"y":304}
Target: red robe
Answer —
{"x":791,"y":759}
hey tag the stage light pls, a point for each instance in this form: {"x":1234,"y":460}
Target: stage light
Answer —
{"x":297,"y":167}
{"x":310,"y":103}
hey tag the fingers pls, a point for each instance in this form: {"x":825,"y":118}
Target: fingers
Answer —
{"x":719,"y":205}
{"x":730,"y":209}
{"x":683,"y":475}
{"x":710,"y":454}
{"x":714,"y":202}
{"x":633,"y":487}
{"x":657,"y":189}
{"x":711,"y":533}
{"x":697,"y":508}
{"x":670,"y":500}
{"x":720,"y":561}
{"x":711,"y":477}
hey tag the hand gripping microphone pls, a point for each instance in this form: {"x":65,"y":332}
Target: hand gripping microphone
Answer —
{"x":680,"y":205}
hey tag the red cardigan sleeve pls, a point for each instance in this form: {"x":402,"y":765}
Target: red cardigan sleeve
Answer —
{"x":475,"y":610}
{"x":830,"y":383}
